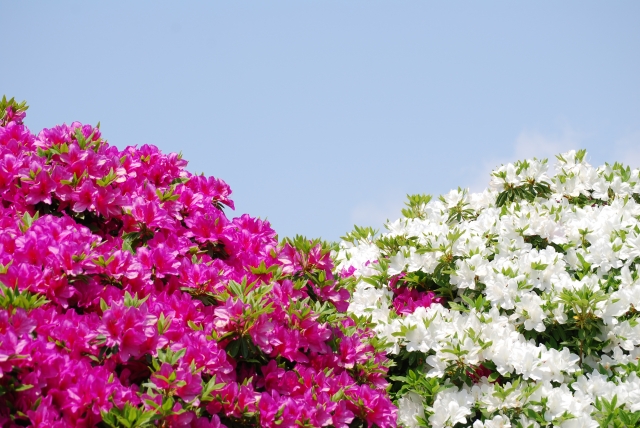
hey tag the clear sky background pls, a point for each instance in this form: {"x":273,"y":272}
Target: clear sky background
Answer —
{"x":325,"y":114}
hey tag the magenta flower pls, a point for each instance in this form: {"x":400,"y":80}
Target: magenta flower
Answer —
{"x":406,"y":300}
{"x":148,"y":213}
{"x":46,"y":415}
{"x":269,"y":406}
{"x":181,"y":382}
{"x":373,"y":406}
{"x":161,"y":261}
{"x":132,"y":329}
{"x":108,"y":202}
{"x":40,"y":189}
{"x":230,"y":316}
{"x":87,"y":397}
{"x":83,"y":197}
{"x":128,"y":266}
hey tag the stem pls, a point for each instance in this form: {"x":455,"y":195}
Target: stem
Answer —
{"x":581,"y":346}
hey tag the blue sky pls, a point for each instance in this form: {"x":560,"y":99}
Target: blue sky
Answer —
{"x":325,"y":114}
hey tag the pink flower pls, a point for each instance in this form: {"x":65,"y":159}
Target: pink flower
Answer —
{"x":230,"y":316}
{"x":269,"y":406}
{"x":12,"y":350}
{"x":46,"y":415}
{"x":83,"y":197}
{"x":119,"y":305}
{"x":40,"y":189}
{"x":206,"y":423}
{"x":192,"y":387}
{"x":161,"y":260}
{"x":181,"y":381}
{"x":108,"y":202}
{"x":132,"y":329}
{"x":287,"y":343}
{"x":262,"y":332}
{"x":342,"y":416}
{"x":148,"y":213}
{"x":372,"y":406}
{"x":87,"y":397}
{"x":214,"y":189}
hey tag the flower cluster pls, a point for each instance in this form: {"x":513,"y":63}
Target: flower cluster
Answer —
{"x":129,"y":298}
{"x":524,"y":304}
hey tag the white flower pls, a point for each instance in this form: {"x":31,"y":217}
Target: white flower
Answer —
{"x":510,"y":269}
{"x":359,"y":256}
{"x":468,"y":270}
{"x":451,"y":407}
{"x":370,"y":301}
{"x":498,"y":421}
{"x":410,"y":407}
{"x":530,"y":310}
{"x":397,"y":263}
{"x":502,"y":291}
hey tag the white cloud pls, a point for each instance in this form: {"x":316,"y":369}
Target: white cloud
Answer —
{"x":529,"y":144}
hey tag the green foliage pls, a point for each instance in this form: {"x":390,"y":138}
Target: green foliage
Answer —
{"x":529,"y":191}
{"x":129,"y":417}
{"x":359,"y":234}
{"x":27,"y":221}
{"x":15,"y":106}
{"x":461,"y":211}
{"x":610,"y":415}
{"x":133,"y":301}
{"x":304,"y":246}
{"x":584,"y":326}
{"x":10,"y":299}
{"x":416,"y":206}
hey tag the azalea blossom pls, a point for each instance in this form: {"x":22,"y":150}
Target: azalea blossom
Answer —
{"x":521,"y":297}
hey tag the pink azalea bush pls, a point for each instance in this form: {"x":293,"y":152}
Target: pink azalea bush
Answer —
{"x":129,"y":298}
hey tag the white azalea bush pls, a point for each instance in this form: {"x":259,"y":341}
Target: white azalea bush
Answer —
{"x":514,"y":307}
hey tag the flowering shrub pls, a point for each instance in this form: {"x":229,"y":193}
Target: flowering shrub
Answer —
{"x":128,"y":298}
{"x":517,"y":306}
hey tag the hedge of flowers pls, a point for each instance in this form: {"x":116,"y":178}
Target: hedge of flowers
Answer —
{"x":514,"y":307}
{"x":129,"y":298}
